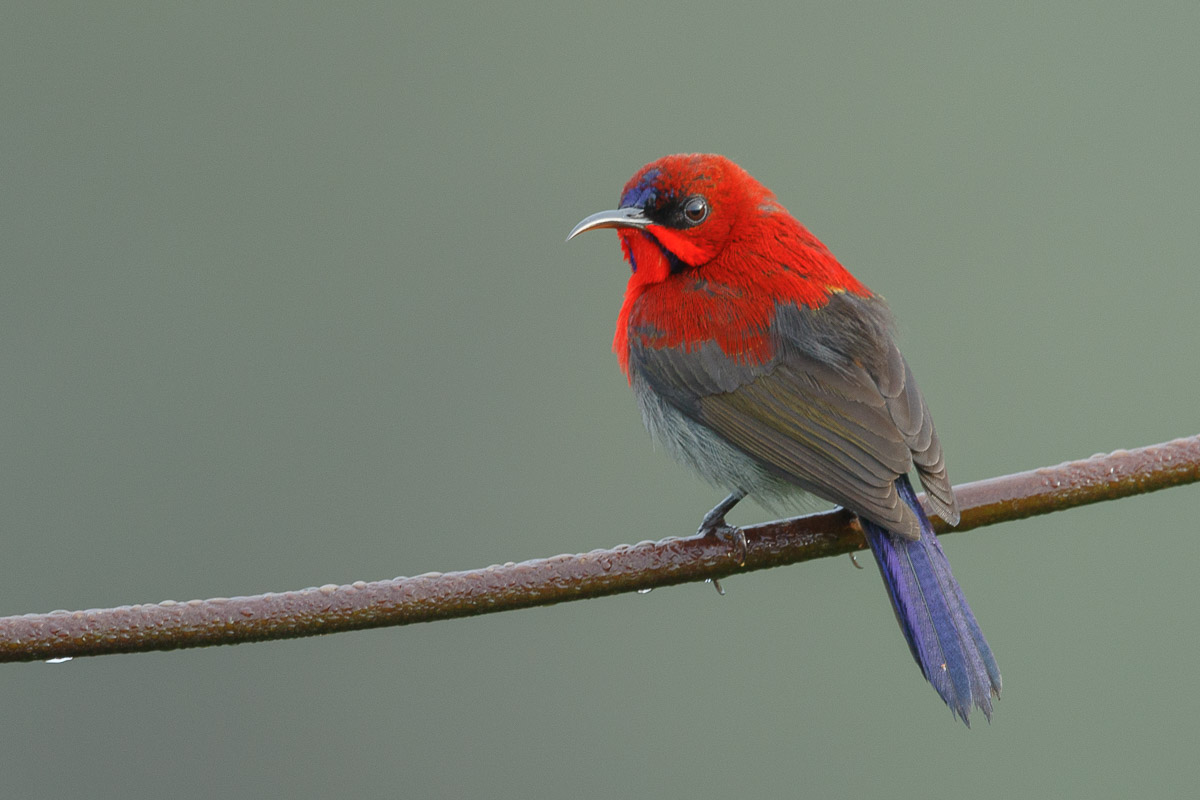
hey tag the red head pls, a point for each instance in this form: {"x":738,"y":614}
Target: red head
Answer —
{"x":680,"y":211}
{"x":712,"y":252}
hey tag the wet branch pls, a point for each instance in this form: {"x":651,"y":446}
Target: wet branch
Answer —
{"x":433,"y":596}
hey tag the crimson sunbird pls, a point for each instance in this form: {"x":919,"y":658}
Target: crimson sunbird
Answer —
{"x":760,"y":362}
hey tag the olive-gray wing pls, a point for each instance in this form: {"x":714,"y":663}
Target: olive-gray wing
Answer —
{"x":837,"y":432}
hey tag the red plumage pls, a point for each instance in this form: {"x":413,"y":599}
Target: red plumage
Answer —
{"x":760,"y":362}
{"x":760,"y":255}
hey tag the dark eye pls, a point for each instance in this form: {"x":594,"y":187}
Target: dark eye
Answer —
{"x":695,"y":209}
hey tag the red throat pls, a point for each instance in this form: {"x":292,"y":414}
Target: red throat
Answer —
{"x":770,"y":259}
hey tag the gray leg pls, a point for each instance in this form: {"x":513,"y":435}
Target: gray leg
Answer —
{"x":716,"y":518}
{"x":714,"y":524}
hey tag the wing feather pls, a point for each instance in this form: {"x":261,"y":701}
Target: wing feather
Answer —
{"x":842,"y":427}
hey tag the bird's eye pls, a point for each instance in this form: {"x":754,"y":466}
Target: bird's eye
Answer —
{"x":695,"y":209}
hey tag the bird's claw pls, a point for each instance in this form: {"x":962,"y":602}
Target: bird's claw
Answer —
{"x":714,"y":525}
{"x":719,"y":529}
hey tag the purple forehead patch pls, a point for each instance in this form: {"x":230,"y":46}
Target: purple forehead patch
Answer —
{"x":637,"y":195}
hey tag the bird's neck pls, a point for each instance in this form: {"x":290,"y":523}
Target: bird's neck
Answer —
{"x":730,"y":300}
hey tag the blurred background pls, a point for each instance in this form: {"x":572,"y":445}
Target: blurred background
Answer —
{"x":284,"y":300}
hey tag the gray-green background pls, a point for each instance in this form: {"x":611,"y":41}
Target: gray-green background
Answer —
{"x":284,"y":300}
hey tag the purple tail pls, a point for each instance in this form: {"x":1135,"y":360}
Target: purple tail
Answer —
{"x":933,"y":614}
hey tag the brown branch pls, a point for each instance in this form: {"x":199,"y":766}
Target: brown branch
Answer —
{"x":434,"y":596}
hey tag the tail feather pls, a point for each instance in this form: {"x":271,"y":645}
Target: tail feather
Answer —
{"x":937,"y":623}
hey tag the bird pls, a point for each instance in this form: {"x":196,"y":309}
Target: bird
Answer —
{"x":760,"y":362}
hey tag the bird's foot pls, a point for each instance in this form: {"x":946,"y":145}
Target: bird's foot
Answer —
{"x":714,"y":525}
{"x":730,"y":534}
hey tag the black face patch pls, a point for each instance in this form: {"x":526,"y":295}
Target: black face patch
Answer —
{"x":678,"y":212}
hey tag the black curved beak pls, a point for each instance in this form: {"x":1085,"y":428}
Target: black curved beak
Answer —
{"x":632,"y":217}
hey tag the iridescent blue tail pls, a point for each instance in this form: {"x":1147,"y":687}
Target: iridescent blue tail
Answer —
{"x":933,"y":614}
